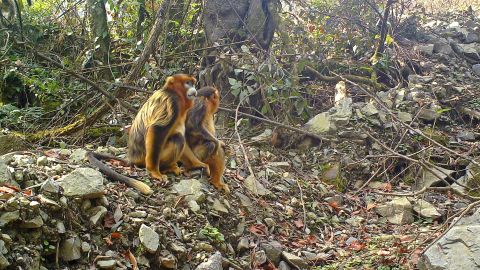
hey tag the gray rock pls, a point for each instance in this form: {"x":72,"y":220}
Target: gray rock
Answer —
{"x":243,"y":245}
{"x":3,"y":248}
{"x":4,"y":264}
{"x":255,"y":186}
{"x":476,"y":69}
{"x":283,"y":266}
{"x":471,"y":38}
{"x":369,"y":109}
{"x":398,"y":211}
{"x":86,"y":247}
{"x":355,"y":221}
{"x":426,"y":49}
{"x":426,"y":209}
{"x":321,"y":123}
{"x":106,"y":264}
{"x":9,"y":217}
{"x":273,"y":250}
{"x":417,"y":79}
{"x":294,"y":260}
{"x":342,"y":112}
{"x":33,"y":223}
{"x":260,"y":258}
{"x":97,"y":213}
{"x":213,"y":263}
{"x":471,"y":178}
{"x":270,"y":222}
{"x":466,"y":136}
{"x":149,"y":238}
{"x":61,"y":227}
{"x":219,"y":207}
{"x":332,"y":173}
{"x":83,"y":182}
{"x":428,"y":114}
{"x":193,"y":205}
{"x":442,"y":46}
{"x":428,"y":178}
{"x":244,"y":200}
{"x":70,"y":249}
{"x":335,"y":199}
{"x":459,"y":248}
{"x":191,"y":189}
{"x":42,"y":161}
{"x":469,"y":50}
{"x":405,"y":117}
{"x":5,"y":174}
{"x":167,"y":260}
{"x":78,"y":155}
{"x":50,"y":204}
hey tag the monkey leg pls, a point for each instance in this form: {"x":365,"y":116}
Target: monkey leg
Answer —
{"x":171,"y":154}
{"x":190,"y":161}
{"x":216,"y":163}
{"x":154,"y":142}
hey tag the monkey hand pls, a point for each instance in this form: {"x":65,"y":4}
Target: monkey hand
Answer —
{"x":222,"y":186}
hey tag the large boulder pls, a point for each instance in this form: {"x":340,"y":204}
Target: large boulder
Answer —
{"x":459,"y":248}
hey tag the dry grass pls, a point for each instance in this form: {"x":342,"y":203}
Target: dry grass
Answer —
{"x":436,"y":6}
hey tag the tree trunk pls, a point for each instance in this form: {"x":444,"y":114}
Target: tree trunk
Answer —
{"x":99,"y":28}
{"x":142,"y":13}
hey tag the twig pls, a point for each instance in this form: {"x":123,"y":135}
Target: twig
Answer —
{"x":425,"y":189}
{"x":303,"y":207}
{"x":394,"y":117}
{"x":275,"y":123}
{"x":462,"y":214}
{"x":247,"y":162}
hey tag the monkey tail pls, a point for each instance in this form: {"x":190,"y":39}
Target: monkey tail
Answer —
{"x":94,"y":159}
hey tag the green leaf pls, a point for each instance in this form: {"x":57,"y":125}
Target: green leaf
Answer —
{"x":232,"y":81}
{"x":388,"y":40}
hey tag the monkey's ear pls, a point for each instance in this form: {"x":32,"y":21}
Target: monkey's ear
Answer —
{"x":169,"y":81}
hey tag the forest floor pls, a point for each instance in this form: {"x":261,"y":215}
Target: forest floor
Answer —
{"x":336,"y":205}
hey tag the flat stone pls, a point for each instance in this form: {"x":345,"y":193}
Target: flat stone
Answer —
{"x":426,"y":209}
{"x":70,"y":249}
{"x":295,"y":260}
{"x":459,"y":248}
{"x":78,"y":155}
{"x":9,"y":217}
{"x":321,"y":123}
{"x":213,"y":263}
{"x":83,"y":182}
{"x":149,"y":238}
{"x":405,"y":117}
{"x":4,"y":263}
{"x":428,"y":114}
{"x":398,"y":211}
{"x":219,"y":207}
{"x":255,"y":186}
{"x":426,"y":49}
{"x":97,"y":214}
{"x":273,"y":250}
{"x":428,"y":179}
{"x":466,"y":136}
{"x":106,"y":264}
{"x":191,"y":189}
{"x":476,"y":69}
{"x":33,"y":223}
{"x":5,"y":174}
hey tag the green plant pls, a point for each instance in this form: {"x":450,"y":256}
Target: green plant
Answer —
{"x":213,"y":234}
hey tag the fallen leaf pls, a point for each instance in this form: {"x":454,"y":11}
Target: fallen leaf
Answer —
{"x":132,"y":259}
{"x":299,"y":223}
{"x":8,"y":190}
{"x":383,"y":252}
{"x":116,"y":235}
{"x":108,"y":241}
{"x":258,"y":229}
{"x":108,"y":221}
{"x":356,"y":245}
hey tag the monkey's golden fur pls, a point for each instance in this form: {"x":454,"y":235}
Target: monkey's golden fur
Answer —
{"x":156,"y":138}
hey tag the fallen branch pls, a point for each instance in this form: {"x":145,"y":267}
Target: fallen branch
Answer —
{"x":352,"y":78}
{"x":278,"y":124}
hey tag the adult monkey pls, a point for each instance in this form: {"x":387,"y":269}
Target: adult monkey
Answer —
{"x":157,"y":136}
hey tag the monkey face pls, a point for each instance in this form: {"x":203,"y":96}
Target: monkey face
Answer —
{"x":183,"y":85}
{"x":191,"y":91}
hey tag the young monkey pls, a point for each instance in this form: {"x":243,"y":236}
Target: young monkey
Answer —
{"x":203,"y":149}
